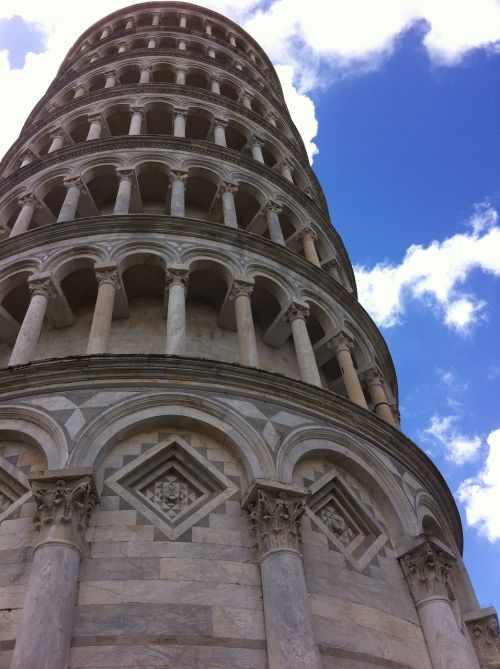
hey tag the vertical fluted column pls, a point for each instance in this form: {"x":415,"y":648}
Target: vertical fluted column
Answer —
{"x":42,"y":290}
{"x":177,"y":196}
{"x":136,"y":120}
{"x":122,"y":48}
{"x":208,"y":29}
{"x":296,"y":316}
{"x":96,"y":125}
{"x":220,"y":132}
{"x":272,"y":211}
{"x":64,"y":502}
{"x":375,"y":383}
{"x":145,"y":76}
{"x":108,"y":282}
{"x":275,"y":513}
{"x":180,"y":116}
{"x":57,"y":142}
{"x":28,"y":204}
{"x":122,"y":202}
{"x":176,"y":285}
{"x":69,"y":207}
{"x":308,"y":237}
{"x":240,"y":293}
{"x":426,"y":568}
{"x":342,"y":346}
{"x":256,"y":145}
{"x":232,"y":39}
{"x":227,"y":191}
{"x":105,"y":33}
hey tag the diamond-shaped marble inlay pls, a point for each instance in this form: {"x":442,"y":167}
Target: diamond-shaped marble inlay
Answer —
{"x":172,"y":485}
{"x":14,"y":488}
{"x":5,"y":502}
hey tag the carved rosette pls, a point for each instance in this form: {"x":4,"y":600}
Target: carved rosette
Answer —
{"x":484,"y":632}
{"x":275,"y":521}
{"x":426,"y":569}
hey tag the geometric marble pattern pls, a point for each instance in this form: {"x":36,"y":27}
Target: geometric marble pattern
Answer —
{"x":14,"y":488}
{"x":172,"y":485}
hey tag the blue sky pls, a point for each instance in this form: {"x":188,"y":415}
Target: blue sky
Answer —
{"x":401,"y":99}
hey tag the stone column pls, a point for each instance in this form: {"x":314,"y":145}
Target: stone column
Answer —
{"x":152,"y":43}
{"x":308,"y":237}
{"x":220,"y":132}
{"x":28,"y":204}
{"x":180,"y":122}
{"x":176,"y":285}
{"x":80,"y":90}
{"x":122,"y":202}
{"x":145,"y":77}
{"x":426,"y":568}
{"x":69,"y":207}
{"x":215,"y":85}
{"x":227,"y":191}
{"x":246,"y":100}
{"x":256,"y":147}
{"x":232,"y":39}
{"x":272,"y":211}
{"x":110,"y":79}
{"x":105,"y":33}
{"x":57,"y":142}
{"x":136,"y":120}
{"x":210,"y":52}
{"x":182,"y":45}
{"x":331,"y":267}
{"x":156,"y":19}
{"x":375,"y":382}
{"x":271,"y":118}
{"x":208,"y":29}
{"x":28,"y":158}
{"x":130,"y":23}
{"x":182,"y":21}
{"x":239,"y":66}
{"x":240,"y":293}
{"x":285,"y":168}
{"x":342,"y":345}
{"x":483,"y":631}
{"x":180,"y":76}
{"x":95,"y":129}
{"x":252,"y":56}
{"x":296,"y":316}
{"x":122,"y":48}
{"x":177,"y":204}
{"x":42,"y":290}
{"x":275,"y":512}
{"x":94,"y":57}
{"x":108,"y":282}
{"x":64,"y":501}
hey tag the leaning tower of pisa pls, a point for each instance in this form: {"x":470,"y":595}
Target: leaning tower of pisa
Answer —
{"x":201,"y":464}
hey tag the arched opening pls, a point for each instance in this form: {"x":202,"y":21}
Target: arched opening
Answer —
{"x":102,"y":184}
{"x":118,"y":119}
{"x":198,"y":123}
{"x":78,"y":129}
{"x":153,"y":187}
{"x":96,"y":83}
{"x":200,"y":194}
{"x":248,"y":203}
{"x":237,"y":136}
{"x":197,"y":78}
{"x":129,"y":75}
{"x":228,"y":90}
{"x":163,"y":74}
{"x":158,"y":118}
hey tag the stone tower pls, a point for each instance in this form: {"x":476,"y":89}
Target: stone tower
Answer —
{"x":200,"y":459}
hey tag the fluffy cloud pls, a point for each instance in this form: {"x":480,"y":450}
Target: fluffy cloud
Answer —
{"x":434,"y":275}
{"x":458,"y":448}
{"x":481,"y":494}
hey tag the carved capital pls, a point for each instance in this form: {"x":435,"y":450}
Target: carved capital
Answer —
{"x":220,"y":122}
{"x":241,"y":288}
{"x":341,"y":342}
{"x":74,"y":182}
{"x":145,"y":68}
{"x":275,"y":520}
{"x":137,"y":110}
{"x":29,"y":198}
{"x":296,"y":310}
{"x":42,"y":285}
{"x":307,"y":233}
{"x":484,"y":633}
{"x":227,"y":187}
{"x":64,"y":502}
{"x":257,"y":141}
{"x":180,"y":112}
{"x":57,"y":133}
{"x":176,"y":276}
{"x":272,"y":208}
{"x":126,"y":175}
{"x":177,"y":175}
{"x":426,"y":569}
{"x":110,"y":73}
{"x":108,"y":275}
{"x":373,"y":377}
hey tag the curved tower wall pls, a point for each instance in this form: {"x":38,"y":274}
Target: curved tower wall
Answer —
{"x":200,"y":456}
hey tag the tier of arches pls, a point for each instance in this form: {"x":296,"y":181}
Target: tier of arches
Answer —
{"x":212,"y":329}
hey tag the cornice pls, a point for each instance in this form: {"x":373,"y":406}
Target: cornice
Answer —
{"x":157,"y":371}
{"x":245,"y":241}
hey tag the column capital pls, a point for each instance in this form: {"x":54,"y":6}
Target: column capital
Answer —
{"x":126,"y":174}
{"x":484,"y":633}
{"x":137,"y":109}
{"x":110,"y":73}
{"x":57,"y":133}
{"x":256,"y":141}
{"x":145,"y":68}
{"x":82,"y":85}
{"x":307,"y":233}
{"x":271,"y":116}
{"x":227,"y":187}
{"x":215,"y":79}
{"x":176,"y":276}
{"x":296,"y":310}
{"x":426,"y":568}
{"x":178,"y":111}
{"x":42,"y":284}
{"x":273,"y":207}
{"x":107,"y":273}
{"x":177,"y":175}
{"x":341,"y":342}
{"x":180,"y":68}
{"x":95,"y":116}
{"x":29,"y":198}
{"x":373,"y":377}
{"x":241,"y":287}
{"x":74,"y":182}
{"x":221,"y":122}
{"x":275,"y":512}
{"x":64,"y":502}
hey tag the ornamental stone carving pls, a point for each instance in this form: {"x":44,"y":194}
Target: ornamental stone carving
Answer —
{"x":176,"y":276}
{"x":42,"y":286}
{"x":426,"y":569}
{"x":108,"y":275}
{"x":241,"y":288}
{"x":341,"y":342}
{"x":296,"y":310}
{"x":484,"y":632}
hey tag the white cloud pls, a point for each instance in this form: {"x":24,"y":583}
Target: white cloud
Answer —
{"x":481,"y":494}
{"x":434,"y":275}
{"x":458,"y":448}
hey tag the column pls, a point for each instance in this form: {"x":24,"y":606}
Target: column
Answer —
{"x":28,"y":204}
{"x":246,"y":100}
{"x":375,"y":382}
{"x":208,"y":29}
{"x":145,"y":75}
{"x":156,"y":19}
{"x":239,"y":66}
{"x":64,"y":502}
{"x":105,"y":33}
{"x":210,"y":52}
{"x":110,"y":79}
{"x":69,"y":207}
{"x":180,"y":122}
{"x":130,"y":23}
{"x":136,"y":120}
{"x":240,"y":293}
{"x":176,"y":285}
{"x":152,"y":43}
{"x":275,"y":513}
{"x":252,"y":56}
{"x":94,"y":57}
{"x":232,"y":39}
{"x":308,"y":237}
{"x":227,"y":191}
{"x":177,"y":205}
{"x":182,"y":21}
{"x":482,"y":625}
{"x":95,"y":129}
{"x":42,"y":290}
{"x":108,"y":281}
{"x":122,"y":202}
{"x":256,"y":147}
{"x":426,"y":568}
{"x":80,"y":90}
{"x":271,"y":118}
{"x":296,"y":316}
{"x":182,"y":45}
{"x":220,"y":132}
{"x":57,"y":142}
{"x":28,"y":158}
{"x":215,"y":85}
{"x":122,"y":48}
{"x":331,"y":266}
{"x":272,"y":211}
{"x":342,"y":345}
{"x":284,"y":168}
{"x":180,"y":76}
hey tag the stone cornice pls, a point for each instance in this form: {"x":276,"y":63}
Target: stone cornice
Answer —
{"x":173,"y":372}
